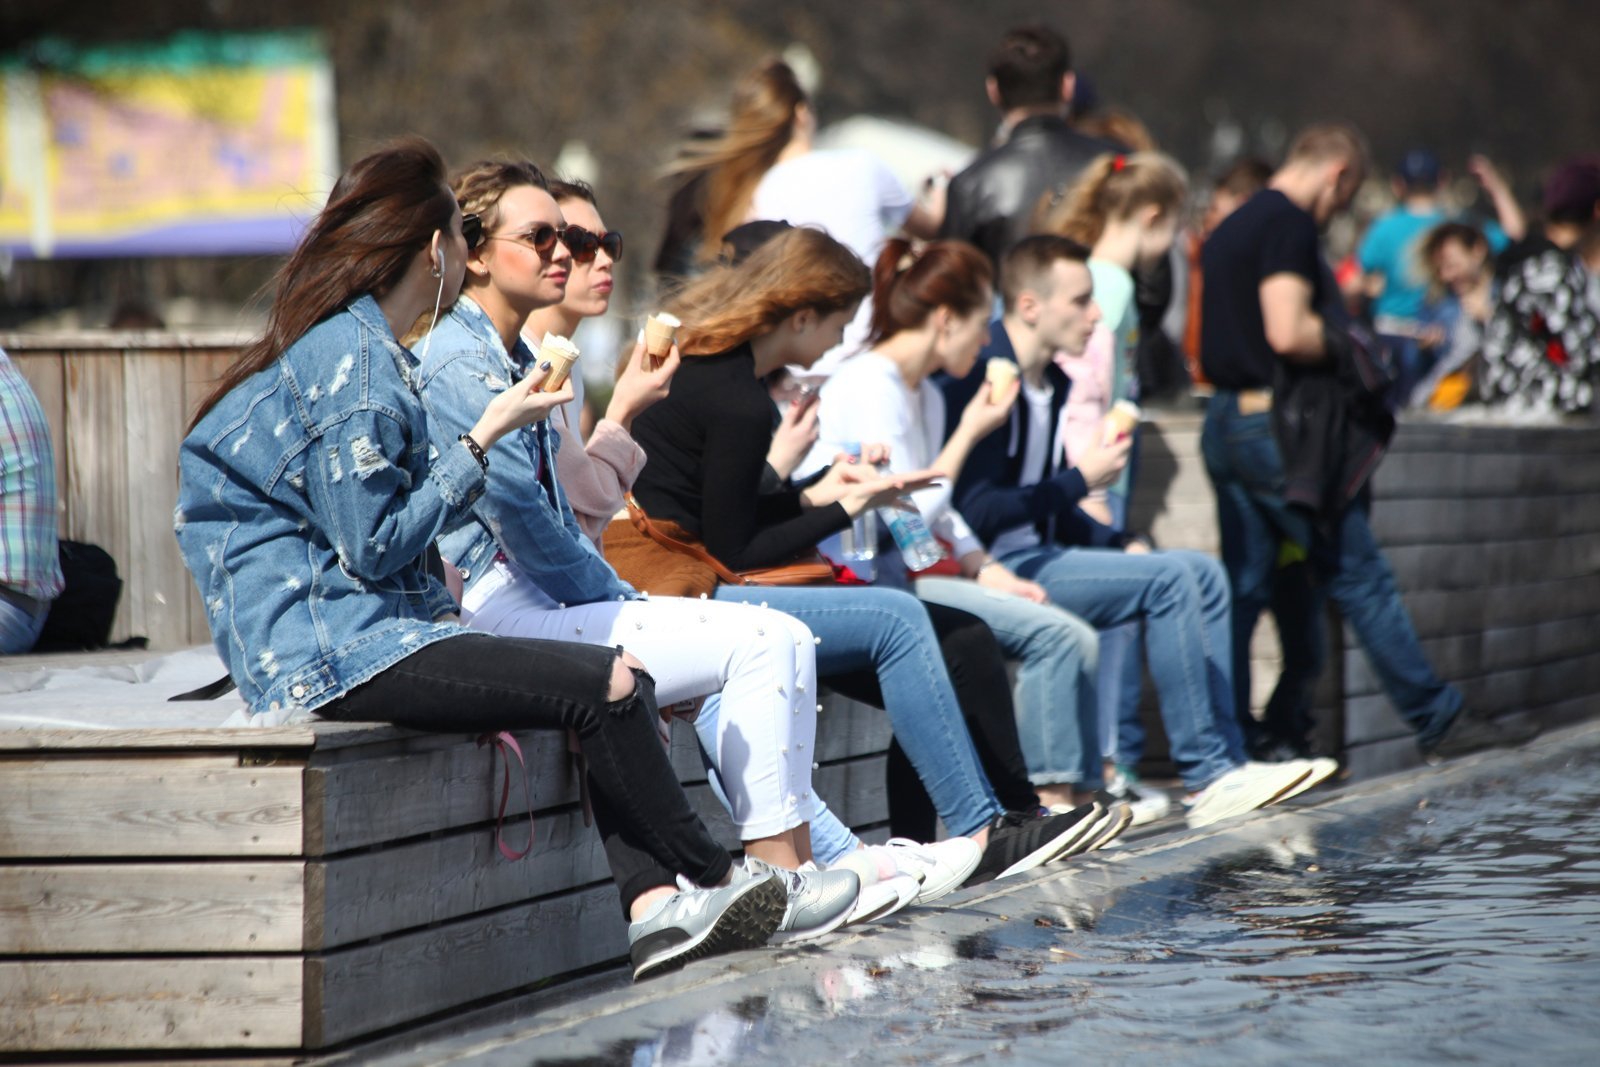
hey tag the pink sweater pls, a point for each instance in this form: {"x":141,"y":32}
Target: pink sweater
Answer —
{"x":595,"y":477}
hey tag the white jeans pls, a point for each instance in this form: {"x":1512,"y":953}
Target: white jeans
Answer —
{"x":763,"y":662}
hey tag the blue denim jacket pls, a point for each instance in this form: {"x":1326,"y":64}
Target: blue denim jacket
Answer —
{"x":307,"y":498}
{"x":521,"y":513}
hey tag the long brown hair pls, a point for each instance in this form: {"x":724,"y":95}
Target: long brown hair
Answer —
{"x":760,"y":123}
{"x":382,"y":211}
{"x":799,"y":268}
{"x":909,"y":285}
{"x":1114,"y":187}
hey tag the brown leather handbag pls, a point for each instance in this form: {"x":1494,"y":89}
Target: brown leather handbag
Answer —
{"x":665,"y":559}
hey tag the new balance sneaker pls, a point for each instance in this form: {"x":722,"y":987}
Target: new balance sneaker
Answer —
{"x":1146,"y":802}
{"x":1021,"y":841}
{"x":696,"y":922}
{"x":1318,"y":770}
{"x":940,"y":866}
{"x":819,"y":901}
{"x":1243,"y":789}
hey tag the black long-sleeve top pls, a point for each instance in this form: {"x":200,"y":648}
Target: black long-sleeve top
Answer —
{"x":707,"y":446}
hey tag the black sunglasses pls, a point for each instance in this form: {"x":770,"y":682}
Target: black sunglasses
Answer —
{"x":472,"y":231}
{"x":542,"y":238}
{"x":584,"y":244}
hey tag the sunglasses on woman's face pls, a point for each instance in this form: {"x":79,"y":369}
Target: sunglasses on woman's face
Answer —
{"x":584,"y":244}
{"x":472,"y":231}
{"x":542,"y":238}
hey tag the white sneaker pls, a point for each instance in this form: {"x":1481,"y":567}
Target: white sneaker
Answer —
{"x":941,"y":866}
{"x":819,"y":901}
{"x":884,"y":890}
{"x":1146,"y":802}
{"x":1318,"y":770}
{"x":1243,"y":789}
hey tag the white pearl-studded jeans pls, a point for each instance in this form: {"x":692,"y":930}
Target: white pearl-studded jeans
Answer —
{"x":763,"y":663}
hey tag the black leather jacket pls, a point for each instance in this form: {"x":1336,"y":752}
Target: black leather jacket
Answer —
{"x":991,"y":203}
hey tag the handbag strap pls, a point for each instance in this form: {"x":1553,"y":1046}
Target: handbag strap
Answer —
{"x":642,"y":523}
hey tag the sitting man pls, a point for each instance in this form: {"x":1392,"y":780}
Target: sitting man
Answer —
{"x":30,"y":568}
{"x":1024,"y":508}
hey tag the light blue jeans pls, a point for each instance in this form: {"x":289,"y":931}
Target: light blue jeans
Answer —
{"x":19,"y":629}
{"x":887,"y":631}
{"x":1056,"y":701}
{"x":1182,"y":599}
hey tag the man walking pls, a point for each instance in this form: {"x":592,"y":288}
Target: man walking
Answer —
{"x":1271,"y":314}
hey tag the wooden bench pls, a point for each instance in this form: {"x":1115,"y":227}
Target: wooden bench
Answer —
{"x":294,"y":888}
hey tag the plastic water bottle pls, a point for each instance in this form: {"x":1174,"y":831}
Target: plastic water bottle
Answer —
{"x":918,"y":547}
{"x":858,"y":542}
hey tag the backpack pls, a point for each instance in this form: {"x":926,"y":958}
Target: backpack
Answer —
{"x":80,"y":618}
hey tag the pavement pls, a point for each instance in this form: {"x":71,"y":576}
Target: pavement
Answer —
{"x":605,"y":1018}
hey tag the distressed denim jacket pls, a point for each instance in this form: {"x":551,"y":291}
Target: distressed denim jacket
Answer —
{"x":307,"y":498}
{"x":522,"y":513}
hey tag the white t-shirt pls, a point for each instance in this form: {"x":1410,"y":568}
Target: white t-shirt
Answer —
{"x":852,"y":195}
{"x":867,"y":401}
{"x":1034,"y":461}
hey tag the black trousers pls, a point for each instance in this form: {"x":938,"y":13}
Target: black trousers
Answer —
{"x":977,"y":669}
{"x":476,"y":683}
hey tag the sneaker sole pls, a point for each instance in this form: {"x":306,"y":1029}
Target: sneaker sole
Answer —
{"x":887,"y":908}
{"x":1320,"y":770}
{"x":794,"y":937}
{"x":1054,"y":847}
{"x":1245,"y":809}
{"x":748,"y":922}
{"x":1117,"y":820}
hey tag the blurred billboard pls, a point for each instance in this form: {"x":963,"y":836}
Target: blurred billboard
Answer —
{"x":205,"y":144}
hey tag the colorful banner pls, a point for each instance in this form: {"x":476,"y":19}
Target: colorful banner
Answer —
{"x":207,"y":144}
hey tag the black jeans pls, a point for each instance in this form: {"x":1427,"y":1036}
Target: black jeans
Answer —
{"x":978,"y":675}
{"x":476,"y":683}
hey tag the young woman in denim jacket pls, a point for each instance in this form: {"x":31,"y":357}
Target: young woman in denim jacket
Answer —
{"x":530,"y":571}
{"x":707,"y":444}
{"x":309,"y":493}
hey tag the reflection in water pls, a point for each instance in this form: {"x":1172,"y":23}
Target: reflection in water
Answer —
{"x":1465,"y":929}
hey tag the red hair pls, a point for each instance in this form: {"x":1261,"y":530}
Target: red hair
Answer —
{"x":908,"y":285}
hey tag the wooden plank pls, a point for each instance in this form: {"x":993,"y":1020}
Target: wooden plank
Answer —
{"x":172,"y":1003}
{"x":202,"y":368}
{"x":80,"y":741}
{"x":362,"y":989}
{"x":46,"y":373}
{"x":151,"y":907}
{"x":183,"y":805}
{"x":157,"y":585}
{"x":107,"y":340}
{"x":96,"y":489}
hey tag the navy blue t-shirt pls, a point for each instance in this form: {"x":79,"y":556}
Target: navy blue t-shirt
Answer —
{"x":1267,"y":235}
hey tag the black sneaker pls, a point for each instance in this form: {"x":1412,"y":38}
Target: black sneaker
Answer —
{"x":1021,"y":841}
{"x":1468,"y":733}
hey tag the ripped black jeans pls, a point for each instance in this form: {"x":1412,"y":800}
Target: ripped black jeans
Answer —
{"x":476,"y":683}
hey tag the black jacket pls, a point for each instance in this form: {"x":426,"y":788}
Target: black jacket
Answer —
{"x":991,"y":203}
{"x":1331,"y":420}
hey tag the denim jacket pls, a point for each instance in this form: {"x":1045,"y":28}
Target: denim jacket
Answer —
{"x":307,"y":498}
{"x":522,"y":512}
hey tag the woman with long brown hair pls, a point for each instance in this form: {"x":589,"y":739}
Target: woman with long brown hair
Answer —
{"x":707,"y":443}
{"x":309,"y":494}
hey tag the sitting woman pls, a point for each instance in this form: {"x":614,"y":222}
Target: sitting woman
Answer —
{"x":529,"y":570}
{"x":707,"y":444}
{"x":309,"y":493}
{"x":930,"y":313}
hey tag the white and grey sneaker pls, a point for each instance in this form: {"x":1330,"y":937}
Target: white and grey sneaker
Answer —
{"x":1244,"y":789}
{"x":819,"y":901}
{"x":696,"y":922}
{"x":1146,"y":802}
{"x":940,"y":866}
{"x":1318,"y":769}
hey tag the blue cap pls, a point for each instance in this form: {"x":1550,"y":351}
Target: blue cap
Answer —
{"x":1419,"y":167}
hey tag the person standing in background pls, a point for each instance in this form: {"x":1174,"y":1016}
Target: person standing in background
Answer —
{"x":30,"y":565}
{"x":991,"y":204}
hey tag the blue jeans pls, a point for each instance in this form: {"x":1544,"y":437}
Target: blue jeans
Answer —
{"x":887,"y":631}
{"x":19,"y":629}
{"x":1182,"y":599}
{"x":1246,"y":470}
{"x":1056,"y":707}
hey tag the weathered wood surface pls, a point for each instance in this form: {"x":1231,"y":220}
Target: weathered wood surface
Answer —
{"x":188,"y":805}
{"x":176,"y":1003}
